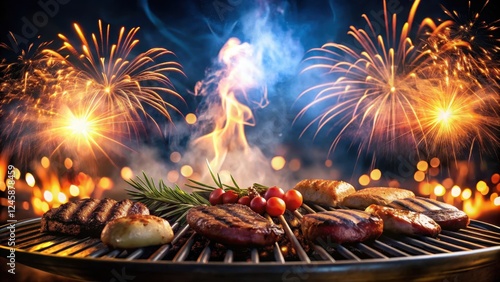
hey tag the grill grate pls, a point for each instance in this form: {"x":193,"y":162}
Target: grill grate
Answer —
{"x":183,"y":246}
{"x":189,"y":247}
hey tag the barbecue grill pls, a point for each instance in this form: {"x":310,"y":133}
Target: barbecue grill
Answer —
{"x":470,"y":254}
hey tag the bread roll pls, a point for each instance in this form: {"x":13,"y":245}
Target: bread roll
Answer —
{"x":361,"y":199}
{"x":137,"y":231}
{"x":324,"y":192}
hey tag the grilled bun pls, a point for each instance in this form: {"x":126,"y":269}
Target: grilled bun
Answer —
{"x":137,"y":231}
{"x":324,"y":192}
{"x":361,"y":199}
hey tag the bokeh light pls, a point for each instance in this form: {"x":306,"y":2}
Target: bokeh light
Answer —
{"x":278,"y":162}
{"x":375,"y":174}
{"x":191,"y":118}
{"x":364,"y":180}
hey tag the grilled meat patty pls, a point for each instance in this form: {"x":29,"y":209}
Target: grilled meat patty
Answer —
{"x":447,"y":216}
{"x":404,"y":221}
{"x":341,"y":226}
{"x":88,"y":216}
{"x":233,"y":225}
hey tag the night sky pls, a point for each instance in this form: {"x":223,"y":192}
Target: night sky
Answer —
{"x":196,"y":30}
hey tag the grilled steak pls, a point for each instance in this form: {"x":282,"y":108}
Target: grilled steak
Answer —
{"x":404,"y":221}
{"x":88,"y":216}
{"x":447,"y":216}
{"x":233,"y":225}
{"x":341,"y":226}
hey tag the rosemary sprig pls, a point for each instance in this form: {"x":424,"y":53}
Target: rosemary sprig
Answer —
{"x":174,"y":203}
{"x":197,"y":185}
{"x":167,"y":202}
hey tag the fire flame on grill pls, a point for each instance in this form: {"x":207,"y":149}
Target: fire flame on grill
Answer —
{"x":231,"y":90}
{"x":46,"y":189}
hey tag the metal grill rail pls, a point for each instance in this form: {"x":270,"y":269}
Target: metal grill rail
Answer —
{"x":187,"y":246}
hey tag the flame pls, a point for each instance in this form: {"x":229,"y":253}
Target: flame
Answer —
{"x":238,"y":84}
{"x":473,"y":207}
{"x":45,"y":187}
{"x":52,"y":191}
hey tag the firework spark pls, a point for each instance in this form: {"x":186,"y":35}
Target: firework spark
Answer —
{"x":126,"y":83}
{"x":478,"y":59}
{"x":103,"y":87}
{"x":372,"y":88}
{"x":456,"y":119}
{"x":374,"y":95}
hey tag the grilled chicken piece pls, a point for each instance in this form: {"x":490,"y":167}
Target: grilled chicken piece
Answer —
{"x":324,"y":192}
{"x":447,"y":216}
{"x":361,"y":199}
{"x":233,"y":225}
{"x":404,"y":221}
{"x":88,"y":216}
{"x":341,"y":226}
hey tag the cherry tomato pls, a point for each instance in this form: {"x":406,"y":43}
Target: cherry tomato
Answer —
{"x":229,"y":197}
{"x":275,"y":206}
{"x":258,"y":204}
{"x":274,"y":191}
{"x":245,"y":200}
{"x":293,"y":199}
{"x":215,"y":197}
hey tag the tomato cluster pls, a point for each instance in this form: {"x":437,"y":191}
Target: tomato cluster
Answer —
{"x":274,"y":201}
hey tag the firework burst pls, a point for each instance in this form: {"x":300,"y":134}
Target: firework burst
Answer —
{"x":374,"y":96}
{"x":370,"y":88}
{"x":455,"y":119}
{"x":477,"y":59}
{"x":125,"y":83}
{"x":79,"y":101}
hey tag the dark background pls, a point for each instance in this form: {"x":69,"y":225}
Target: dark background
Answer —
{"x":196,"y":30}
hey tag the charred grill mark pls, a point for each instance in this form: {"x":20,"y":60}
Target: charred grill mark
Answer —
{"x":410,"y":205}
{"x":138,"y":208}
{"x":102,"y":211}
{"x":357,"y":215}
{"x":249,"y":219}
{"x":63,"y":213}
{"x":226,"y":216}
{"x":83,"y":213}
{"x":119,"y":209}
{"x":437,"y":204}
{"x":425,"y":206}
{"x":329,"y":218}
{"x":220,"y":219}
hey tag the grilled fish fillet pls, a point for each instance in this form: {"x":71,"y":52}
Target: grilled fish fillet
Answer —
{"x":447,"y":216}
{"x":324,"y":192}
{"x":233,"y":225}
{"x":404,"y":221}
{"x":88,"y":216}
{"x":361,"y":199}
{"x":341,"y":226}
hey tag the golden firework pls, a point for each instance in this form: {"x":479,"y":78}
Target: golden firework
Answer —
{"x":379,"y":97}
{"x":455,"y":118}
{"x":101,"y":85}
{"x":126,"y":83}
